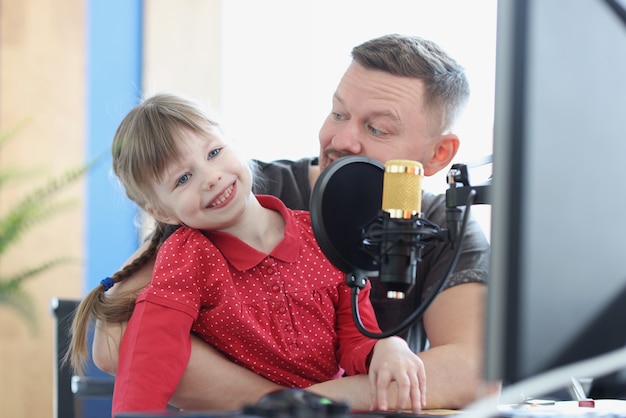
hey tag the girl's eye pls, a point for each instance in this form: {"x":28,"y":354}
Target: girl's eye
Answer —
{"x":183,"y":179}
{"x":213,"y":153}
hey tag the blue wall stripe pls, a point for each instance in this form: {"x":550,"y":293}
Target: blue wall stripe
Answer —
{"x":114,"y":52}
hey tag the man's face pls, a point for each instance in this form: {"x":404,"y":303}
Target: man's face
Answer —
{"x":378,"y":115}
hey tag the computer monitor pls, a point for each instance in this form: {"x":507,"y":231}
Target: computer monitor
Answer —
{"x":558,"y":288}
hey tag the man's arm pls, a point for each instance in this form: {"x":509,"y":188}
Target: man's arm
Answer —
{"x":454,"y":324}
{"x":212,"y":382}
{"x":454,"y":368}
{"x":152,"y":357}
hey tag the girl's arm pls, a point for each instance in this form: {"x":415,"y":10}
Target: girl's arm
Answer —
{"x":152,"y":358}
{"x":393,"y":361}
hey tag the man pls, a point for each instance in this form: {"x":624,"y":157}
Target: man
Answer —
{"x":399,"y":98}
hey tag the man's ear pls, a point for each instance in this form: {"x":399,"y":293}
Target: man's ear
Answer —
{"x":159,"y":215}
{"x":444,"y":150}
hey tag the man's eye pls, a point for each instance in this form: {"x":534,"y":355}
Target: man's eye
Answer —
{"x":183,"y":179}
{"x":375,"y":131}
{"x":213,"y":153}
{"x":337,"y":116}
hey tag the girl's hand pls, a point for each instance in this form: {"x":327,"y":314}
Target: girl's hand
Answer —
{"x":393,"y":361}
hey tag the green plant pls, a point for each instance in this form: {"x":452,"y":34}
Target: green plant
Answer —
{"x":36,"y":207}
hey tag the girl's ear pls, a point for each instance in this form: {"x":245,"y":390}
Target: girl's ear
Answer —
{"x":159,"y":215}
{"x":444,"y":150}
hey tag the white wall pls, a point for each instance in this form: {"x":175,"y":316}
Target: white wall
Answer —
{"x":282,"y":60}
{"x":270,"y":67}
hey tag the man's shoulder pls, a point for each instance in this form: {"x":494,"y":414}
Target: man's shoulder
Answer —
{"x":286,"y":179}
{"x":432,"y":203}
{"x":285,"y":165}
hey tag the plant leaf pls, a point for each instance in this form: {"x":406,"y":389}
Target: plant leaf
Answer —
{"x":19,"y":220}
{"x":20,"y":302}
{"x":16,"y":280}
{"x":35,"y":208}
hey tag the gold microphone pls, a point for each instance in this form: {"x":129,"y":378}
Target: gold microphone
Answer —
{"x":402,"y":188}
{"x":402,"y":201}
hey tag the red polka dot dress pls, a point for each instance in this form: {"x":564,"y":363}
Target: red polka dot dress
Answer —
{"x":284,"y":315}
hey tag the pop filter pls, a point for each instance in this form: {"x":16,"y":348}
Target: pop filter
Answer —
{"x":345,"y":198}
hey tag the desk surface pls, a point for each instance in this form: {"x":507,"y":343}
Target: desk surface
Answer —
{"x":355,"y":414}
{"x":605,"y":408}
{"x":601,"y":408}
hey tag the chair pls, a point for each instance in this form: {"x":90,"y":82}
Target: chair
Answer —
{"x":74,"y":396}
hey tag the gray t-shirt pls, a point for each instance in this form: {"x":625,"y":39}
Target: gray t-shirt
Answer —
{"x":289,"y":181}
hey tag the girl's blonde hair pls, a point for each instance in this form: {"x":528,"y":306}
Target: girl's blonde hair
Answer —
{"x":144,"y":144}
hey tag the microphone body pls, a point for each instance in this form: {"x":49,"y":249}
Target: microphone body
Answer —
{"x":400,"y":244}
{"x":402,"y":188}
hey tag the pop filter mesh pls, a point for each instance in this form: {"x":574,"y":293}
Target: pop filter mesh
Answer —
{"x":346,"y":197}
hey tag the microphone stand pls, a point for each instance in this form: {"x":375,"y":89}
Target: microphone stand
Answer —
{"x":457,"y":195}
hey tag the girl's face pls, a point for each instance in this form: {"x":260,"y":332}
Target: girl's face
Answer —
{"x":208,"y":189}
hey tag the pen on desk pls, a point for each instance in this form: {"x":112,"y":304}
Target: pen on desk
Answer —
{"x":580,"y":395}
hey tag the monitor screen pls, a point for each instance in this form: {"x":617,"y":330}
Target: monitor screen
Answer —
{"x":558,"y":288}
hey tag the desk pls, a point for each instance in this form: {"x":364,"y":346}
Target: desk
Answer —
{"x":614,"y":408}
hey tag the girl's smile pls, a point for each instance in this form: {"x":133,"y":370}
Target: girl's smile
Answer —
{"x":224,"y":198}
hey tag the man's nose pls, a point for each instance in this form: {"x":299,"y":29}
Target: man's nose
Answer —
{"x":347,"y":139}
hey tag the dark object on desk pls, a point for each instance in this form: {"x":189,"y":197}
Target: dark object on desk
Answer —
{"x":297,"y":403}
{"x":182,"y":414}
{"x":283,"y":403}
{"x":399,"y":414}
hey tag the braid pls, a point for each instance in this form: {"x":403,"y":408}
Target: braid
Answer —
{"x":119,"y":308}
{"x":110,"y":308}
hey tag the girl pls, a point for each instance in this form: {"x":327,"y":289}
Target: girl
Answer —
{"x":240,"y":270}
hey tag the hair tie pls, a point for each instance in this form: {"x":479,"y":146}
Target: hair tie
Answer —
{"x":107,"y":283}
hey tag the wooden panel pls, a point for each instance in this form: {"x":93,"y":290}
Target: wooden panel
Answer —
{"x":42,"y":77}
